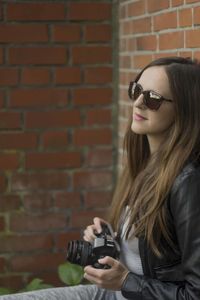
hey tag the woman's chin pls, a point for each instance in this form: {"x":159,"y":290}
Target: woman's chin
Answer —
{"x":137,"y":129}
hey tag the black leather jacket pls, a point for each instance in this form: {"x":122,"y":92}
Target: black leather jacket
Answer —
{"x":177,"y":274}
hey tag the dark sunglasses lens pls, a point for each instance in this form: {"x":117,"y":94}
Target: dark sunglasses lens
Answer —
{"x":137,"y":92}
{"x":134,"y":90}
{"x":151,"y":101}
{"x":130,"y":90}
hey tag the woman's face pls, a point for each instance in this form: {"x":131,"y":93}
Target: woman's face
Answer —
{"x":154,"y":124}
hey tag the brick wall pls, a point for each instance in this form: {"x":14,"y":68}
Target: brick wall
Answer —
{"x":56,"y":130}
{"x":151,"y":29}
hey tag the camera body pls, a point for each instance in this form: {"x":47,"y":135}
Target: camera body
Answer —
{"x":85,"y":253}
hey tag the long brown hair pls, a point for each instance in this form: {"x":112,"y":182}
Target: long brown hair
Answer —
{"x":146,"y":181}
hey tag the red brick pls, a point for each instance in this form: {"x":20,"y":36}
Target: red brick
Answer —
{"x":131,"y":44}
{"x":125,"y":61}
{"x":97,"y":199}
{"x":38,"y":97}
{"x":55,"y":139}
{"x":13,"y":282}
{"x":28,"y":223}
{"x":197,"y":15}
{"x":2,"y":97}
{"x":185,"y":17}
{"x":185,"y":53}
{"x":98,"y":33}
{"x":67,"y":75}
{"x":53,"y":160}
{"x":159,"y":55}
{"x":50,"y":277}
{"x":39,"y":181}
{"x":124,"y":96}
{"x":87,"y":96}
{"x":98,"y":75}
{"x":124,"y":80}
{"x":91,"y":54}
{"x":191,"y":1}
{"x":92,"y":179}
{"x":192,"y":38}
{"x":140,"y":61}
{"x":197,"y":55}
{"x":67,"y":33}
{"x":1,"y":11}
{"x":10,"y":120}
{"x":125,"y":27}
{"x":2,"y":223}
{"x":1,"y":56}
{"x":9,"y":161}
{"x":37,"y":203}
{"x":2,"y":183}
{"x":35,"y":76}
{"x":2,"y":264}
{"x":99,"y":158}
{"x":136,"y":8}
{"x":140,"y":25}
{"x":98,"y":116}
{"x":90,"y":11}
{"x":8,"y":76}
{"x":122,"y":12}
{"x":177,"y":2}
{"x":18,"y":33}
{"x":154,"y":5}
{"x":146,"y":42}
{"x":37,"y":55}
{"x":85,"y":218}
{"x":84,"y":137}
{"x":70,"y":200}
{"x":165,"y":21}
{"x":124,"y":111}
{"x":18,"y":140}
{"x":35,"y":263}
{"x":9,"y":203}
{"x":63,"y":238}
{"x":171,"y":40}
{"x":35,"y":11}
{"x":21,"y":243}
{"x":52,"y":119}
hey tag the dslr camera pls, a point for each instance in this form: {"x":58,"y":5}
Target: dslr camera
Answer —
{"x":86,"y":253}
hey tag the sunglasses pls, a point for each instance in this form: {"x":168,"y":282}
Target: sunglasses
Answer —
{"x":151,"y":99}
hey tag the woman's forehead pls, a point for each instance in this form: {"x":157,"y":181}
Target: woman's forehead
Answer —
{"x":155,"y":78}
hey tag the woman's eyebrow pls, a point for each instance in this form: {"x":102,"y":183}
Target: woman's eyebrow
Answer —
{"x":149,"y":90}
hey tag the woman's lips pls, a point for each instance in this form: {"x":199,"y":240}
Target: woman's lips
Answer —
{"x":138,"y":117}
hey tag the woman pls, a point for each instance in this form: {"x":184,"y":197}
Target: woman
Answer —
{"x":159,"y":189}
{"x":156,"y":206}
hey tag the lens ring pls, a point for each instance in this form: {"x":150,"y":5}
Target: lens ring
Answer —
{"x":86,"y":252}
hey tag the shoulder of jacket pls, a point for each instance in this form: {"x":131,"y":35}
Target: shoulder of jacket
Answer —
{"x":189,"y":171}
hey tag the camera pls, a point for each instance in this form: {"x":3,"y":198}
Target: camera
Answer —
{"x":85,"y":253}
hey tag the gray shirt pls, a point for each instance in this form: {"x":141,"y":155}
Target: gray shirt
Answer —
{"x":130,"y":256}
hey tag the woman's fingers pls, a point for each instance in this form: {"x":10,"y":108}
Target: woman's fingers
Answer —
{"x":97,"y":222}
{"x":90,"y":232}
{"x":107,"y":278}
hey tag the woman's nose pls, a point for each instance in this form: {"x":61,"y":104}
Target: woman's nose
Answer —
{"x":139,"y":102}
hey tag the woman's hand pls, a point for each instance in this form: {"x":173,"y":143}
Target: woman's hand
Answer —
{"x":112,"y":278}
{"x":89,"y":232}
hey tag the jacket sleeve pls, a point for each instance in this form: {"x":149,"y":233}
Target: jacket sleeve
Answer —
{"x":185,"y":210}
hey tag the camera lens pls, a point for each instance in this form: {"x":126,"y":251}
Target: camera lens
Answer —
{"x":79,"y":252}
